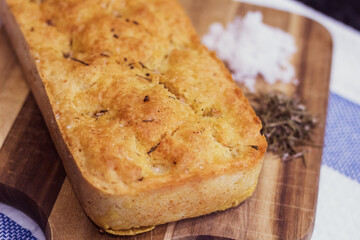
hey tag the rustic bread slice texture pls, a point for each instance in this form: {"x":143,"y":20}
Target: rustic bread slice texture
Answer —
{"x":150,"y":126}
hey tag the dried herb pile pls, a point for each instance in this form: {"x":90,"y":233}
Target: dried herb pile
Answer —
{"x":287,"y":125}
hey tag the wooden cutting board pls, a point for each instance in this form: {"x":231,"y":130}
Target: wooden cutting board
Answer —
{"x":283,"y":206}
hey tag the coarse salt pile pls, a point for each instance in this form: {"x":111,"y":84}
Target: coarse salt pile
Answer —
{"x":251,"y":48}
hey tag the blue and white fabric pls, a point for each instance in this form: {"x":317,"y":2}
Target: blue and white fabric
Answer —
{"x":11,"y":230}
{"x":15,"y":225}
{"x":342,"y":137}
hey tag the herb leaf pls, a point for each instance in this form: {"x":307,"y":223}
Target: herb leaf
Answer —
{"x":287,"y":124}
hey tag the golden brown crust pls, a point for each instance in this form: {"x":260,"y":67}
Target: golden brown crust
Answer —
{"x":142,"y":107}
{"x":131,"y":231}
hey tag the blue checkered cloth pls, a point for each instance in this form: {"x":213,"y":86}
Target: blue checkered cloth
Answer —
{"x":10,"y":230}
{"x":342,"y":137}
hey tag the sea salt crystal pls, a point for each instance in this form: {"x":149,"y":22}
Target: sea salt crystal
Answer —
{"x":252,"y":48}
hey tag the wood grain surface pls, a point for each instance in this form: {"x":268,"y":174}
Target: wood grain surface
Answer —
{"x":283,"y":206}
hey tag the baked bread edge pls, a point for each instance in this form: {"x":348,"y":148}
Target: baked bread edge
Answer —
{"x":243,"y":181}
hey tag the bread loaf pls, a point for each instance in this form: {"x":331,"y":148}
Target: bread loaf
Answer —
{"x":149,"y":124}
